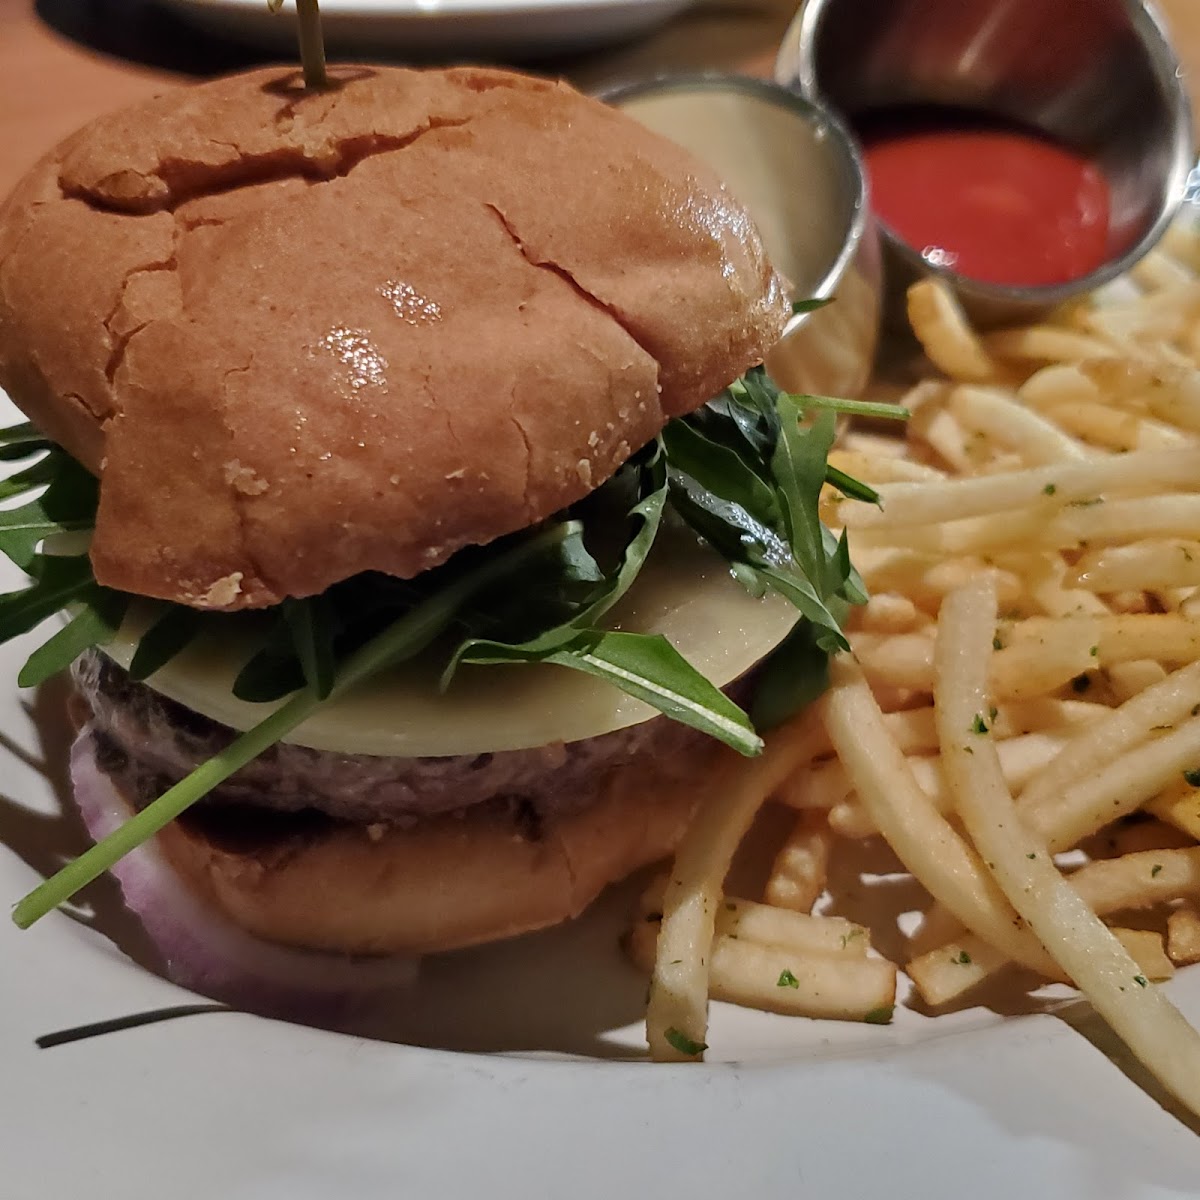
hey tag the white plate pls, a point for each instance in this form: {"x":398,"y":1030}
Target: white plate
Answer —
{"x":502,"y":1092}
{"x":516,"y":29}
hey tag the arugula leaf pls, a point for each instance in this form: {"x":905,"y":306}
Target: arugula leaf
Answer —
{"x":311,"y":625}
{"x":852,"y":408}
{"x":718,"y":468}
{"x":59,"y":582}
{"x":95,"y":625}
{"x":732,"y":531}
{"x":799,"y":466}
{"x":849,"y":486}
{"x":40,"y":473}
{"x":67,"y":505}
{"x":792,"y":585}
{"x":648,"y":667}
{"x":645,"y":517}
{"x":795,"y":675}
{"x":273,"y":672}
{"x":731,"y":416}
{"x":21,"y":441}
{"x":850,"y":582}
{"x":170,"y":634}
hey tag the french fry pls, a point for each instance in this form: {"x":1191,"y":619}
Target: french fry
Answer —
{"x":1183,"y":936}
{"x":800,"y":931}
{"x":914,"y":731}
{"x":1035,"y":666}
{"x":676,"y":1014}
{"x":1059,"y":383}
{"x":888,"y":612}
{"x":943,"y":975}
{"x":801,"y":864}
{"x":1079,"y":526}
{"x":926,"y":578}
{"x":1054,"y":477}
{"x":831,"y":987}
{"x":1112,"y":791}
{"x":1099,"y":743}
{"x":920,"y":836}
{"x":1134,"y":881}
{"x":1171,"y":393}
{"x":816,"y":787}
{"x":1100,"y":425}
{"x":943,"y":331}
{"x":1158,"y":271}
{"x":1141,"y":1015}
{"x":1046,"y":580}
{"x":1172,"y":562}
{"x":905,"y":661}
{"x":878,"y":468}
{"x":996,"y":415}
{"x":1180,"y":807}
{"x":1128,"y":679}
{"x":1045,"y":343}
{"x":1165,"y":637}
{"x":938,"y":429}
{"x":1020,"y":758}
{"x":987,"y":495}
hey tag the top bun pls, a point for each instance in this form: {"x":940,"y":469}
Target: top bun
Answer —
{"x":303,"y":335}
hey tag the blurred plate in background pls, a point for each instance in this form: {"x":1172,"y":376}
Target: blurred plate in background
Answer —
{"x":514,"y":29}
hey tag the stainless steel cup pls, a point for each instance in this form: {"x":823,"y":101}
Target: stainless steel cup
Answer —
{"x":1099,"y":75}
{"x":796,"y":168}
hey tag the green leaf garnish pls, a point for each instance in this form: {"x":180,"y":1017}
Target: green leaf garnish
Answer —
{"x":850,"y":487}
{"x":22,"y":441}
{"x":795,"y":675}
{"x":42,"y":472}
{"x":170,"y":635}
{"x":96,"y":624}
{"x":807,"y":306}
{"x":311,"y":625}
{"x":649,"y":668}
{"x":68,"y":505}
{"x":684,"y":1044}
{"x":59,"y":582}
{"x":852,"y":408}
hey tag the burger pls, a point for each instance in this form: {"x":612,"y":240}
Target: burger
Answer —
{"x":422,"y":519}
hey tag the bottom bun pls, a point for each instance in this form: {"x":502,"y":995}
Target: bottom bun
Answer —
{"x":444,"y":883}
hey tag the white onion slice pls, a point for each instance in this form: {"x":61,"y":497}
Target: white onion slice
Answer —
{"x":207,"y":953}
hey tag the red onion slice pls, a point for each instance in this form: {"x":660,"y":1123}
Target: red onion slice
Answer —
{"x":204,"y":951}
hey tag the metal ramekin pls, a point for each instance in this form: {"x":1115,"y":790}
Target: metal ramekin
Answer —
{"x":1098,"y":74}
{"x":797,"y":168}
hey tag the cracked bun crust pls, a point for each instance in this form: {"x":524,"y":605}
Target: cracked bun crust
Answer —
{"x":300,"y":336}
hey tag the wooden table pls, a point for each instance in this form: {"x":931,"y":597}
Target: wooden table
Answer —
{"x":63,"y":61}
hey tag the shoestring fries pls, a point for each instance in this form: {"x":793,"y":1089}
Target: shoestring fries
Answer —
{"x":1019,"y":718}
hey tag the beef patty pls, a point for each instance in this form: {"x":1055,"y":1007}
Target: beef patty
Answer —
{"x":147,"y":742}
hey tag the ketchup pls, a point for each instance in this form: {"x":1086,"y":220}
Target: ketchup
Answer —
{"x":993,"y":200}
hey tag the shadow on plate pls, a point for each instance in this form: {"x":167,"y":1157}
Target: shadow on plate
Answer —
{"x":45,"y":842}
{"x":563,"y":991}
